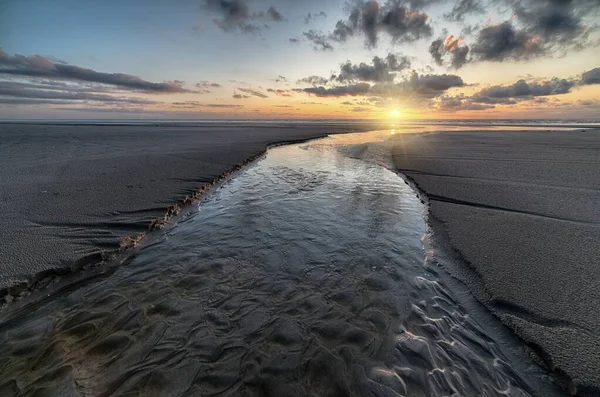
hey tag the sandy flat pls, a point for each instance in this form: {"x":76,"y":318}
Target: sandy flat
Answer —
{"x":523,"y":210}
{"x":71,"y":190}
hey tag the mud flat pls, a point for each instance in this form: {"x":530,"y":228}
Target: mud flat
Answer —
{"x":523,"y":210}
{"x":69,"y":191}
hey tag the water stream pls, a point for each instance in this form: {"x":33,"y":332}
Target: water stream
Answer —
{"x":304,"y":275}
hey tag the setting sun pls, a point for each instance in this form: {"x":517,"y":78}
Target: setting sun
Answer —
{"x":394,"y":113}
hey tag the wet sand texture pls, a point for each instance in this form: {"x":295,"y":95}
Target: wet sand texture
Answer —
{"x":67,"y":191}
{"x":523,"y":209}
{"x":302,"y":276}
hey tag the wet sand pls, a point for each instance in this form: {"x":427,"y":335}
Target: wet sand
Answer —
{"x":523,"y":210}
{"x":68,"y":191}
{"x":304,"y":275}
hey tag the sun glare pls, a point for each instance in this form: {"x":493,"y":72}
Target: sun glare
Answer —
{"x":394,"y":113}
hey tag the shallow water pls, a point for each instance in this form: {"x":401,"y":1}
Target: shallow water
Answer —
{"x":303,"y":275}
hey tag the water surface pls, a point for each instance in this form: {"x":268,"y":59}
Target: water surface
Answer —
{"x":303,"y":275}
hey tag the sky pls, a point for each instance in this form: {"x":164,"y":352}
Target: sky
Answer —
{"x":290,"y":59}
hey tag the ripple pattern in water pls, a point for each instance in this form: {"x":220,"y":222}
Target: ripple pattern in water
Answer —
{"x":302,"y":276}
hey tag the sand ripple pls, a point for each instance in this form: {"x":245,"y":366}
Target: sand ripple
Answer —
{"x":303,"y":276}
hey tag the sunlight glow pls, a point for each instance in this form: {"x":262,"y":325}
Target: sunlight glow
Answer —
{"x":394,"y":113}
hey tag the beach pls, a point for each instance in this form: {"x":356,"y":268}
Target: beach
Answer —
{"x":514,"y":215}
{"x":522,"y":211}
{"x":304,"y":274}
{"x":69,"y":191}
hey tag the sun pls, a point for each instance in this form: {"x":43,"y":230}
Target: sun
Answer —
{"x":394,"y":113}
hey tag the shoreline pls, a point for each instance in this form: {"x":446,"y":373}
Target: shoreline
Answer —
{"x":463,"y":260}
{"x":458,"y":268}
{"x":51,"y":282}
{"x":103,"y":261}
{"x":71,"y":192}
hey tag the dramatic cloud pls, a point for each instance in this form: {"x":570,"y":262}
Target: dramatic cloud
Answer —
{"x":381,"y":69}
{"x":500,"y":42}
{"x":38,"y":66}
{"x":235,"y":16}
{"x":454,"y":47}
{"x":347,"y":90}
{"x":539,"y":27}
{"x":461,"y":103}
{"x":555,"y":20}
{"x":420,"y":86}
{"x":522,"y":90}
{"x":312,"y":16}
{"x":319,"y":40}
{"x":313,"y":80}
{"x":252,"y":92}
{"x":465,"y":7}
{"x":591,"y":77}
{"x":399,"y":21}
{"x":416,"y":87}
{"x":273,"y":15}
{"x":47,"y":92}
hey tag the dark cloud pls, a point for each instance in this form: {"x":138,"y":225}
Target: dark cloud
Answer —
{"x":294,"y":40}
{"x":252,"y":92}
{"x":451,"y":46}
{"x":280,"y":92}
{"x":464,"y":7}
{"x":416,"y":87}
{"x":523,"y":90}
{"x":281,"y":79}
{"x":590,"y":77}
{"x":208,"y":84}
{"x":555,"y":20}
{"x":38,"y":66}
{"x":240,"y":96}
{"x":539,"y":27}
{"x":25,"y":101}
{"x":313,"y":80}
{"x":185,"y":105}
{"x":419,"y":86}
{"x":401,"y":21}
{"x":461,"y":103}
{"x":274,"y":15}
{"x":503,"y":41}
{"x":235,"y":16}
{"x":220,"y":105}
{"x":535,"y":91}
{"x":319,"y":40}
{"x":312,"y":16}
{"x":381,"y":69}
{"x":347,"y":90}
{"x":28,"y":91}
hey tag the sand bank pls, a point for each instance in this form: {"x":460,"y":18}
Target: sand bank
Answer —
{"x":68,"y":191}
{"x":523,"y":209}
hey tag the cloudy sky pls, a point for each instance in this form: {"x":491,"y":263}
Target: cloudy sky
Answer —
{"x":184,"y":59}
